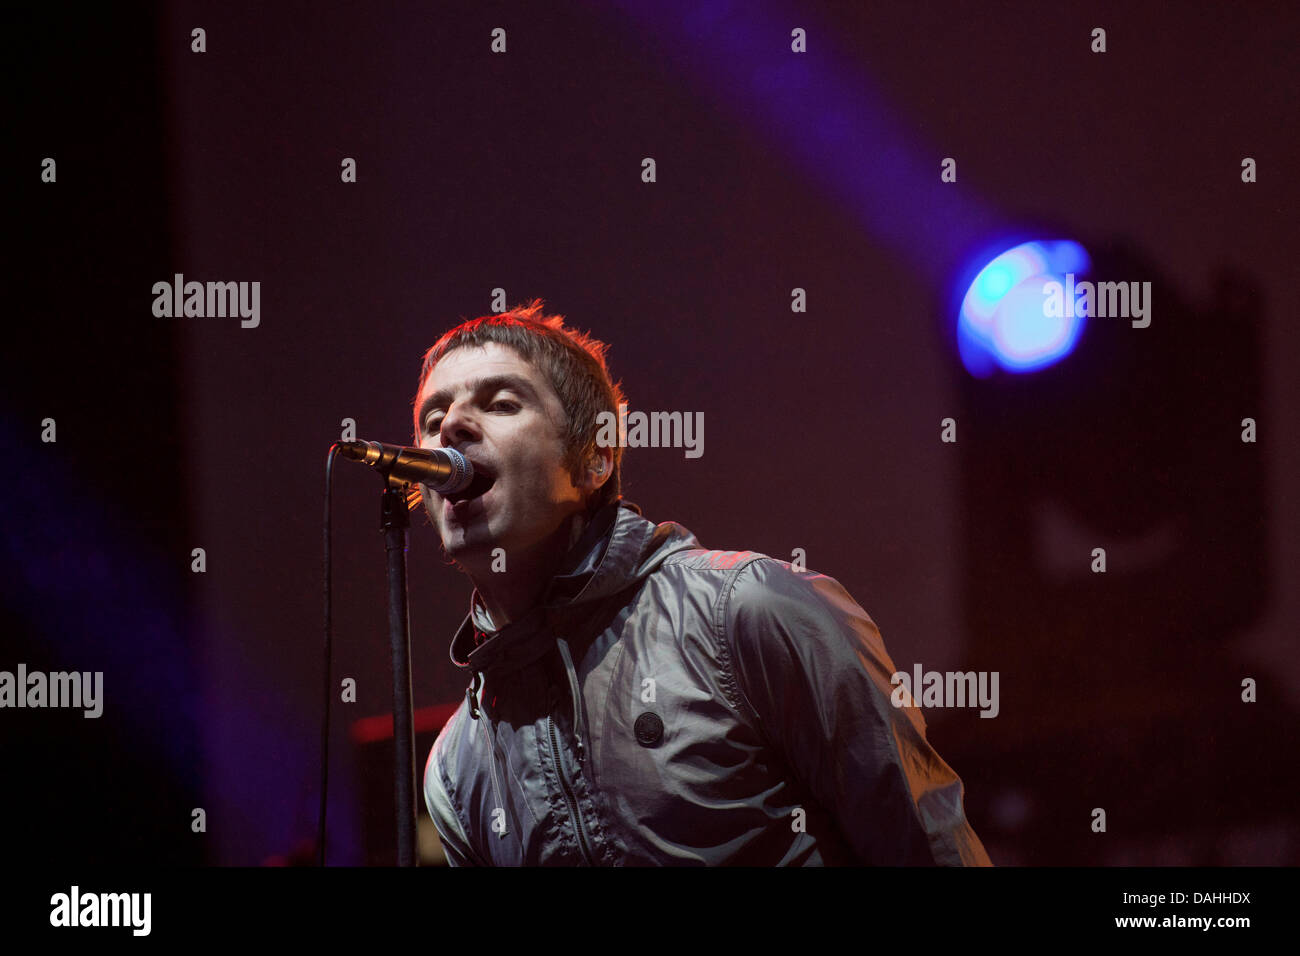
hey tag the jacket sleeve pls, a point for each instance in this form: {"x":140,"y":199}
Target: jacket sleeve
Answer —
{"x":451,"y":832}
{"x":813,"y":668}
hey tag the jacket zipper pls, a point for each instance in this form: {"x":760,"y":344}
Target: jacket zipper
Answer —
{"x":574,"y":812}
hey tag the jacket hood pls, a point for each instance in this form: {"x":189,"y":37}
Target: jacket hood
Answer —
{"x":618,"y":549}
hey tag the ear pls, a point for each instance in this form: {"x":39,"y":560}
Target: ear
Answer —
{"x":599,"y":468}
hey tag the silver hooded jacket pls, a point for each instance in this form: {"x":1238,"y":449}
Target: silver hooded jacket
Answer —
{"x":669,"y":705}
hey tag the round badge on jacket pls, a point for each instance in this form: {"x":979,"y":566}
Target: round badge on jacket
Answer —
{"x":649,"y":729}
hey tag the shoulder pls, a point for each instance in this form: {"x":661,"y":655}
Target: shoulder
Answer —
{"x":705,"y":560}
{"x":769,"y":592}
{"x":779,"y":617}
{"x":753,"y":590}
{"x":760,"y":606}
{"x":720,"y":572}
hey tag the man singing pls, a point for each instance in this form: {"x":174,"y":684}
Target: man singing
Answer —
{"x":634,"y":698}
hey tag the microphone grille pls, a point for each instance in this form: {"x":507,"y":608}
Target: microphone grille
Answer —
{"x":460,"y":477}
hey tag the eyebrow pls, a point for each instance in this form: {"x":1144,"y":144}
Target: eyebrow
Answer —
{"x":478,"y":386}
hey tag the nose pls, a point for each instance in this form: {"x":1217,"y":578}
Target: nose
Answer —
{"x":457,"y":426}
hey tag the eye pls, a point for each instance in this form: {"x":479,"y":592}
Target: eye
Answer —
{"x":505,"y":404}
{"x":432,"y":424}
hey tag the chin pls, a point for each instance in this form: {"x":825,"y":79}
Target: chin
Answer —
{"x":473,"y":545}
{"x":463,"y":545}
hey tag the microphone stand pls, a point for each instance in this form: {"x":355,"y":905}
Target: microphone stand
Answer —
{"x":394,"y":520}
{"x":445,"y":467}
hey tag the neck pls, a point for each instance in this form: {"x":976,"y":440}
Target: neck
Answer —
{"x":508,"y":595}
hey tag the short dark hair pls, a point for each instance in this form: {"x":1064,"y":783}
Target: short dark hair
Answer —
{"x":572,"y":361}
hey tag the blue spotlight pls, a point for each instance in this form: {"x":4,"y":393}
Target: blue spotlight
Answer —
{"x":1003,"y":321}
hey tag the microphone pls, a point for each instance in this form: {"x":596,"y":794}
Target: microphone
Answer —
{"x":445,"y":470}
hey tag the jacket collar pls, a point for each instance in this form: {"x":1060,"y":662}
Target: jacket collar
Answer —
{"x":619,"y":548}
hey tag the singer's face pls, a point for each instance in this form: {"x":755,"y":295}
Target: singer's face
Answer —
{"x":492,"y":406}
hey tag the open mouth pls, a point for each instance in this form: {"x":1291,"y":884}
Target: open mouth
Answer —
{"x":481,"y":483}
